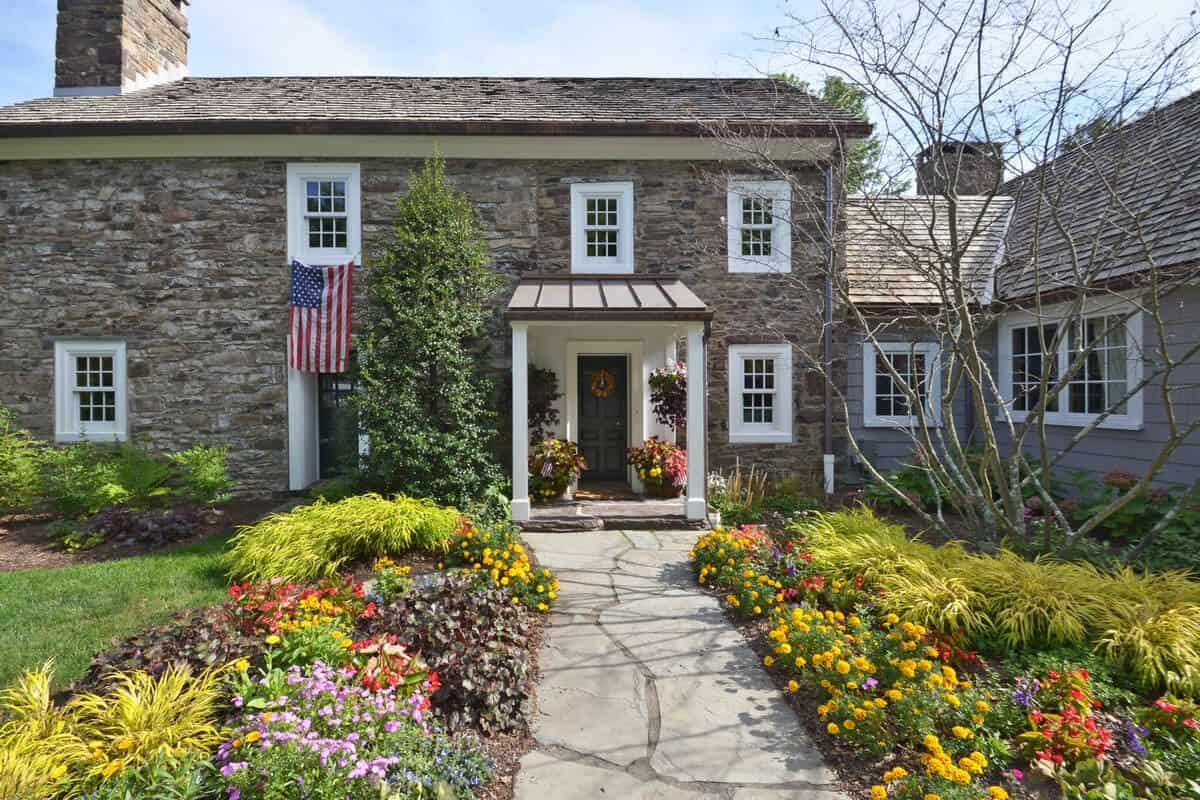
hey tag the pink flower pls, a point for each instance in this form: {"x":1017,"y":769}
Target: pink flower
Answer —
{"x":1016,"y":773}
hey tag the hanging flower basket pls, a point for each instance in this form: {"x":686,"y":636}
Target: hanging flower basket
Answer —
{"x":554,"y":467}
{"x":668,"y":395}
{"x":661,"y":466}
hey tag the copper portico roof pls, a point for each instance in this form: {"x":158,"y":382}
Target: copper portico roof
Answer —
{"x":605,"y":298}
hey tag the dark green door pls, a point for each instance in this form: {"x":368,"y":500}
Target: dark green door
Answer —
{"x":603,"y":415}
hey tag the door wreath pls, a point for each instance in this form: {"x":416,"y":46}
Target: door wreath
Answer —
{"x":604,"y":383}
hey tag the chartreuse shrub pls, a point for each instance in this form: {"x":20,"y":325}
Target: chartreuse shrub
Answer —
{"x":204,"y":473}
{"x":20,"y":456}
{"x":314,"y":541}
{"x":48,"y":751}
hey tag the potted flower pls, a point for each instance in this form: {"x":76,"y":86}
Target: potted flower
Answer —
{"x":661,"y":465}
{"x":554,"y":468}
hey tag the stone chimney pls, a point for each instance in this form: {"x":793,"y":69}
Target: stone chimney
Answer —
{"x":114,"y":46}
{"x":969,"y":168}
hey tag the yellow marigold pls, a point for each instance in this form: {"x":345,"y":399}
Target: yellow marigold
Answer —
{"x":997,"y":793}
{"x":832,"y":728}
{"x":272,"y":639}
{"x":793,"y":686}
{"x":768,"y":661}
{"x":982,"y":707}
{"x":953,"y":700}
{"x":848,"y":724}
{"x":894,"y":695}
{"x":241,"y":665}
{"x":932,"y":796}
{"x":878,"y":792}
{"x":800,"y":662}
{"x":253,"y":736}
{"x":880,"y":702}
{"x":843,"y":667}
{"x":961,"y":733}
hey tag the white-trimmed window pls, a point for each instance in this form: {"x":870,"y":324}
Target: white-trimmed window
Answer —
{"x":1110,"y":335}
{"x":760,"y":393}
{"x":602,"y":227}
{"x":887,"y":401}
{"x":89,"y":390}
{"x":760,"y":226}
{"x":324,"y":212}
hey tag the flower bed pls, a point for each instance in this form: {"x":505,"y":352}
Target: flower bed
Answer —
{"x":873,"y":636}
{"x":403,"y":689}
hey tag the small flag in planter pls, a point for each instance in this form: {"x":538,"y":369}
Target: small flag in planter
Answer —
{"x":320,"y":325}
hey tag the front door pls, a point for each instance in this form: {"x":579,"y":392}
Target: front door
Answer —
{"x":603,"y":415}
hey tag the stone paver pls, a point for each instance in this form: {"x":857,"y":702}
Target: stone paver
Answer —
{"x":648,"y":692}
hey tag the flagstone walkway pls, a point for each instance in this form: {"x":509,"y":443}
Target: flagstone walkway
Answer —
{"x":648,"y":691}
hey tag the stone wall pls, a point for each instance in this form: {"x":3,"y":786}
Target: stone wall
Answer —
{"x":112,"y":43}
{"x":186,"y":260}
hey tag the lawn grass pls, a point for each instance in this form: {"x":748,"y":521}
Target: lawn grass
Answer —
{"x":72,"y":613}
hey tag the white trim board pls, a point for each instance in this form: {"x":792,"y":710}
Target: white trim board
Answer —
{"x":356,"y":146}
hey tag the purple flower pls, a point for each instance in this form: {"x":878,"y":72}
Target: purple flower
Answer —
{"x":1025,"y":692}
{"x":1133,"y":738}
{"x":870,"y":683}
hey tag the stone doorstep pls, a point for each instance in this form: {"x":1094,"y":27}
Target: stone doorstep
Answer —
{"x":596,"y":515}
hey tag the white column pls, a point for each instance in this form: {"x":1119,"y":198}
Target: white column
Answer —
{"x":697,"y":360}
{"x":304,"y":458}
{"x":520,"y":422}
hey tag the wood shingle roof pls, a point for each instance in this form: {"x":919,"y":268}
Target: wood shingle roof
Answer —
{"x":536,"y":106}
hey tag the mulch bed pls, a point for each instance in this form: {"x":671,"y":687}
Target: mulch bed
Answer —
{"x":27,"y":543}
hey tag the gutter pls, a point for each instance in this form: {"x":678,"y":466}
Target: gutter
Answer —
{"x":828,"y":458}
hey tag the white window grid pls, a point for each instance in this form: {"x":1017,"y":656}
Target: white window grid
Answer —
{"x":94,"y":389}
{"x":326,"y":214}
{"x":758,"y":391}
{"x":1101,"y":383}
{"x":602,"y":226}
{"x":1029,"y":363}
{"x":891,"y":396}
{"x":757,"y":227}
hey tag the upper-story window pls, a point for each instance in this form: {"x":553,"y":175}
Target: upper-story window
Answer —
{"x":602,"y":227}
{"x":89,"y":390}
{"x":760,"y":226}
{"x":324,"y":212}
{"x":1102,"y":347}
{"x":896,"y":375}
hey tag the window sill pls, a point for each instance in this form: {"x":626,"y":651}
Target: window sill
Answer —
{"x":897,"y":423}
{"x":587,"y":267}
{"x":1113,"y":423}
{"x":745,"y":264}
{"x":776,"y":437}
{"x":61,"y":437}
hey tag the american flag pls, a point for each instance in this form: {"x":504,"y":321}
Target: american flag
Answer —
{"x":320,"y":305}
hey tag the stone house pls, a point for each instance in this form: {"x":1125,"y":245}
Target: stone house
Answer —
{"x":149,"y":221}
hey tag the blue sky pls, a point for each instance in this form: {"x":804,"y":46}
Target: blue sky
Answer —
{"x":458,"y":37}
{"x":428,"y":37}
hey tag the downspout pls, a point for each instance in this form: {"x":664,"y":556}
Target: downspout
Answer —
{"x":828,"y":459}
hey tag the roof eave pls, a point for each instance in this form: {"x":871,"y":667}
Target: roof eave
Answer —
{"x":428,"y":127}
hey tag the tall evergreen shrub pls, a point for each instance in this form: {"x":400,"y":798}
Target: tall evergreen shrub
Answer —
{"x":425,"y":397}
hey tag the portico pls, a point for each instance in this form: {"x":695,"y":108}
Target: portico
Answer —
{"x":614,"y":330}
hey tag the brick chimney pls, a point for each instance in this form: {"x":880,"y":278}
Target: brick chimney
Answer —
{"x":970,"y":168}
{"x":114,"y":46}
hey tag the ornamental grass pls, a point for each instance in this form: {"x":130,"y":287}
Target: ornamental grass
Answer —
{"x":1147,"y":624}
{"x":315,"y":541}
{"x":49,"y":752}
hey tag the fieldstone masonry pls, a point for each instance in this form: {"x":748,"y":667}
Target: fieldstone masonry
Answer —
{"x":186,"y":259}
{"x":113,"y":43}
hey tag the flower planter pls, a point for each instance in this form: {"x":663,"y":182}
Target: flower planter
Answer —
{"x":665,"y":490}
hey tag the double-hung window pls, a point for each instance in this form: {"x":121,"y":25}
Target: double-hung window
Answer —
{"x":89,"y":390}
{"x":602,"y":227}
{"x":895,"y":376}
{"x":760,"y":228}
{"x":760,"y":393}
{"x":1100,"y":350}
{"x":324,"y":212}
